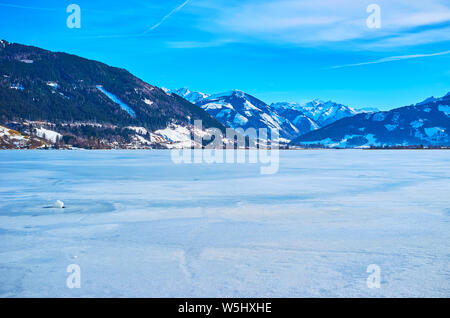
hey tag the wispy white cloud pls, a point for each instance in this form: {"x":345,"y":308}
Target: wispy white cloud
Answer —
{"x":392,"y":59}
{"x":322,"y":22}
{"x":197,"y":44}
{"x":441,"y":34}
{"x":26,"y":7}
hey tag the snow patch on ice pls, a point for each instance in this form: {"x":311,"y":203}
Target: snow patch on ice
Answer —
{"x":58,"y":204}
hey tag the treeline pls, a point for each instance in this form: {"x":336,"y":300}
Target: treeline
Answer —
{"x":411,"y":147}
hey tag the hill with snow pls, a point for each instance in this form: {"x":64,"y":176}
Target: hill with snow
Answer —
{"x":66,"y":99}
{"x":426,"y":123}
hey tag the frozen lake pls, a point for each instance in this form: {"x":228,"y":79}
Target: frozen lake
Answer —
{"x":136,"y":224}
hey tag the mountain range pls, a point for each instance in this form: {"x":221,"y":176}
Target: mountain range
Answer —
{"x":54,"y":99}
{"x":238,"y":109}
{"x":426,"y":123}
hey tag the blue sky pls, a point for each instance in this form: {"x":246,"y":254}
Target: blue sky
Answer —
{"x":276,"y":50}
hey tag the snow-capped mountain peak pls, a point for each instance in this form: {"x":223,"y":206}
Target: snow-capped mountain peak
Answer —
{"x":321,"y":112}
{"x":192,"y":96}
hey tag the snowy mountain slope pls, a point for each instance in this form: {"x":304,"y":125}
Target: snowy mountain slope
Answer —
{"x":12,"y":139}
{"x":240,"y":110}
{"x":86,"y":102}
{"x":237,"y":109}
{"x":426,"y":123}
{"x":297,"y":117}
{"x":322,"y":113}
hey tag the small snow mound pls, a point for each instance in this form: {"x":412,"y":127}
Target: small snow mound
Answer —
{"x":58,"y":204}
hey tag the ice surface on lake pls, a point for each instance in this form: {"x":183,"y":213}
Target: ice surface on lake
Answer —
{"x":139,"y":225}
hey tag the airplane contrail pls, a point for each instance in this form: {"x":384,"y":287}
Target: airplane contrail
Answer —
{"x":26,"y":7}
{"x":392,"y":58}
{"x":167,"y":16}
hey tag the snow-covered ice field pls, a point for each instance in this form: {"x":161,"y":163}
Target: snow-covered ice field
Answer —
{"x":139,"y":225}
